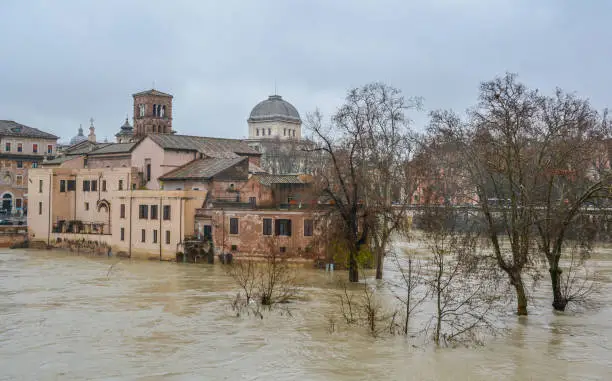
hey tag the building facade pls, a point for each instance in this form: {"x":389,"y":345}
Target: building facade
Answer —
{"x":21,"y":148}
{"x":152,"y":113}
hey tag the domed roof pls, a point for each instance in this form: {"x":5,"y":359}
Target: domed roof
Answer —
{"x":275,"y":108}
{"x":126,"y":129}
{"x":79,"y":137}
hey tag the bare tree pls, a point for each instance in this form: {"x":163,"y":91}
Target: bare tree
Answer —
{"x":463,"y":284}
{"x":367,"y":145}
{"x":410,"y":290}
{"x":491,"y":154}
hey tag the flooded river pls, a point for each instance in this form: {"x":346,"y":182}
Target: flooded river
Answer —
{"x":62,"y":318}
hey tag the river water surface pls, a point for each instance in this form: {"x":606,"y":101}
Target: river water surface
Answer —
{"x":63,"y":318}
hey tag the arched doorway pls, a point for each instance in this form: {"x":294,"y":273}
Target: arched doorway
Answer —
{"x":7,"y":202}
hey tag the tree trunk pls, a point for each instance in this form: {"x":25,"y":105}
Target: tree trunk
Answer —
{"x":559,"y":300}
{"x":380,"y":255}
{"x":353,"y":270}
{"x":521,"y":295}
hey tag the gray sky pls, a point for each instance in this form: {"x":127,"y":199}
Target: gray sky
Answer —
{"x":63,"y":62}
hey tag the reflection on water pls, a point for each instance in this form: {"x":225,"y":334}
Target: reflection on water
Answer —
{"x":61,"y":317}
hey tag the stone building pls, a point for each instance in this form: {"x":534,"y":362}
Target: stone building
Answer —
{"x":22,"y":148}
{"x":152,"y":113}
{"x":275,"y":130}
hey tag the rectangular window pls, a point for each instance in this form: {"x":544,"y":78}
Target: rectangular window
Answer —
{"x":283,"y":249}
{"x":253,"y":201}
{"x":103,"y":185}
{"x":167,"y":237}
{"x":154,"y":236}
{"x":49,"y":148}
{"x":167,"y":212}
{"x":85,"y":162}
{"x":7,"y":147}
{"x":40,"y":207}
{"x":120,"y":184}
{"x":86,"y":206}
{"x":18,"y":203}
{"x":234,"y":247}
{"x":308,"y":227}
{"x":233,"y":225}
{"x":94,"y":185}
{"x":86,"y":185}
{"x":35,"y":148}
{"x":19,"y":164}
{"x":134,"y":186}
{"x":123,"y":234}
{"x":283,"y":227}
{"x":19,"y":180}
{"x":71,"y":185}
{"x":143,"y":235}
{"x":34,"y":165}
{"x":19,"y":147}
{"x":62,"y":186}
{"x":122,"y":211}
{"x":153,"y":212}
{"x":267,"y":226}
{"x":149,"y":172}
{"x":40,"y":186}
{"x":143,"y":212}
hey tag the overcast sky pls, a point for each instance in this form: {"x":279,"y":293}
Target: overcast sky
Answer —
{"x":62,"y":62}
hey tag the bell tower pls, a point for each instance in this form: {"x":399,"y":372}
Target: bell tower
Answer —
{"x":152,"y":113}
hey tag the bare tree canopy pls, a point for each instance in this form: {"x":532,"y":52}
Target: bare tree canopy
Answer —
{"x":533,"y":163}
{"x":367,"y":145}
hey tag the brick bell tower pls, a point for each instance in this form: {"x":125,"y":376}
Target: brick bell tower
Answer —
{"x":152,"y":113}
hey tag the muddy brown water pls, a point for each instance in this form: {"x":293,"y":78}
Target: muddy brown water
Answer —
{"x":62,"y":318}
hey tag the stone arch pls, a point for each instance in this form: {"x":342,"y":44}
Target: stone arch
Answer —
{"x":103,"y":204}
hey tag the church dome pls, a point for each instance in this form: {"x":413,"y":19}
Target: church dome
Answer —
{"x":79,"y":137}
{"x":275,"y":108}
{"x":126,"y":129}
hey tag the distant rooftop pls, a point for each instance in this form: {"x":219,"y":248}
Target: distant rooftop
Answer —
{"x":12,"y":128}
{"x":212,"y":147}
{"x":202,"y":168}
{"x":152,"y":92}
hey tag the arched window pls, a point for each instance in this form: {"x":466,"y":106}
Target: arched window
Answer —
{"x":163,"y":111}
{"x":154,"y":110}
{"x":257,"y":133}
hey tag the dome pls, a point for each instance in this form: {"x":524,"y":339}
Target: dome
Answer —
{"x":79,"y":137}
{"x":275,"y":108}
{"x":126,"y":129}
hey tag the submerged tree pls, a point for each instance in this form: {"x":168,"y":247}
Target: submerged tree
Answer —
{"x":530,"y":161}
{"x":366,"y":146}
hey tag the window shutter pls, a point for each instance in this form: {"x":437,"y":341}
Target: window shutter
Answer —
{"x":289,"y":227}
{"x":276,"y":227}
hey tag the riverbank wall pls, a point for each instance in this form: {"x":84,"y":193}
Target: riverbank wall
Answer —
{"x":12,"y":235}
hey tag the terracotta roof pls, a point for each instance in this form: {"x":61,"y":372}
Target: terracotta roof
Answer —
{"x":212,"y":147}
{"x":12,"y":128}
{"x":152,"y":92}
{"x":268,"y":180}
{"x":202,"y":168}
{"x":112,"y":148}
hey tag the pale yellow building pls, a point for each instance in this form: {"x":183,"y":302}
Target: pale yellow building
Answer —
{"x":101,"y":205}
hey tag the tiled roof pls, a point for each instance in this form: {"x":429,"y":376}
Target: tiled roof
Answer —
{"x":256,"y":169}
{"x":152,"y":92}
{"x":112,"y":148}
{"x":202,"y":168}
{"x":58,"y":160}
{"x":268,"y":180}
{"x":212,"y":147}
{"x":84,"y":147}
{"x":11,"y":128}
